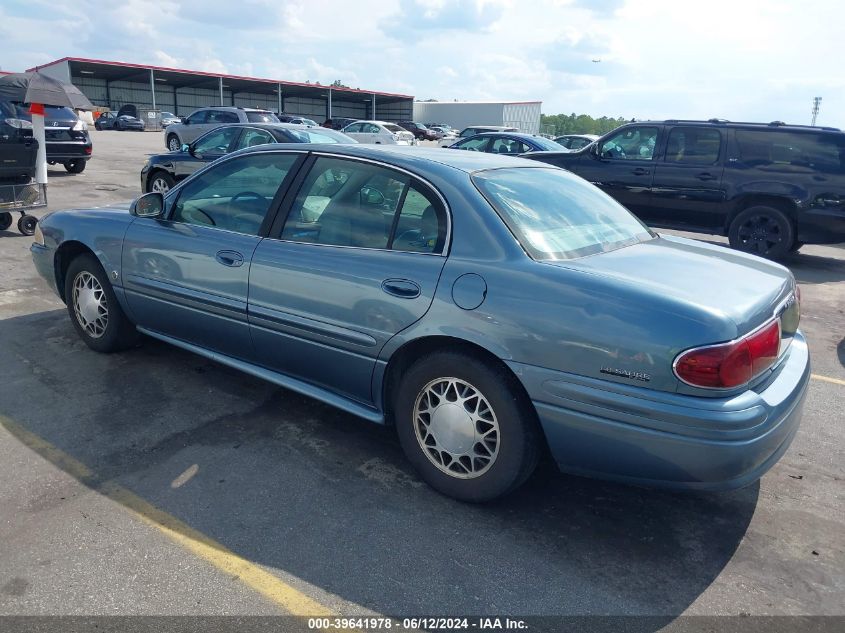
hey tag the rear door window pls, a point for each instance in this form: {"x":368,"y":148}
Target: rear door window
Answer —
{"x":693,"y":145}
{"x":474,"y":144}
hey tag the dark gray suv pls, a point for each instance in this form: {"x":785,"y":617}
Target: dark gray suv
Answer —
{"x":205,"y":119}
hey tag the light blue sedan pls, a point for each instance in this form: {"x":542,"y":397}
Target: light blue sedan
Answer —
{"x":488,"y":307}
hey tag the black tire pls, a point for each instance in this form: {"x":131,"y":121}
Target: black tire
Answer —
{"x":5,"y":221}
{"x":762,"y":230}
{"x":26,"y":224}
{"x":97,"y":126}
{"x":516,"y":449}
{"x":118,"y":332}
{"x":160,"y":181}
{"x":75,"y":166}
{"x":173,"y":143}
{"x":117,"y":126}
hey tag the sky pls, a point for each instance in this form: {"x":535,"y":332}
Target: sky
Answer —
{"x":743,"y":60}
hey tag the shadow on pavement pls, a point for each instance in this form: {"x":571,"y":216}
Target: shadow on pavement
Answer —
{"x":292,"y":484}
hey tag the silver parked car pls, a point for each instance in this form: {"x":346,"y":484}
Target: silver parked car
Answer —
{"x":379,"y":133}
{"x":205,"y":119}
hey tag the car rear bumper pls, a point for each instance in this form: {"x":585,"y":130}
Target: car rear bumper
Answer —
{"x":822,"y":226}
{"x":642,"y":436}
{"x":60,"y":152}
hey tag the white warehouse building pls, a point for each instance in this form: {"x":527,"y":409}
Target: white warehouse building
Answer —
{"x":524,"y":115}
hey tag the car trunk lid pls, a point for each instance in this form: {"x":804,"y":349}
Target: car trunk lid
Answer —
{"x":746,"y":289}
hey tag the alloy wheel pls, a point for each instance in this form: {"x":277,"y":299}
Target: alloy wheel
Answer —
{"x":90,"y":304}
{"x":760,"y":233}
{"x":456,"y":427}
{"x":160,"y":185}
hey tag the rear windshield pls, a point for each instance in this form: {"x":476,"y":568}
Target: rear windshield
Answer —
{"x":320,"y":136}
{"x":261,"y":117}
{"x":557,"y":215}
{"x":546,"y":144}
{"x":51,"y":113}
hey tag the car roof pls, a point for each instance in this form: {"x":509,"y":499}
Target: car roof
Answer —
{"x":410,"y":156}
{"x":774,"y":125}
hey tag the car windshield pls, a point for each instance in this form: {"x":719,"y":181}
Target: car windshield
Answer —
{"x":261,"y":117}
{"x":557,"y":215}
{"x":394,"y":128}
{"x":321,"y":135}
{"x":168,"y":115}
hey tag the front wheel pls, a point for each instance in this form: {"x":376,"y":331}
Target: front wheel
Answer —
{"x":173,"y":143}
{"x":763,"y":231}
{"x":161,"y":182}
{"x":5,"y":220}
{"x":75,"y":166}
{"x":466,"y":427}
{"x":93,"y":308}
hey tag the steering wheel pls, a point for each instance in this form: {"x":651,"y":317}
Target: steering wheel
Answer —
{"x":246,"y":194}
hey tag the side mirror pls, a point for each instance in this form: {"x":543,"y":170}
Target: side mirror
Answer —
{"x":185,"y":120}
{"x":150,"y":205}
{"x":371,"y":196}
{"x":185,"y":148}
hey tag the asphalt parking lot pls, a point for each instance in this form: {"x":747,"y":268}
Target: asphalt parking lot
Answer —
{"x":157,"y":482}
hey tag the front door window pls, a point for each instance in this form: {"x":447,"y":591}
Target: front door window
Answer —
{"x":631,"y":143}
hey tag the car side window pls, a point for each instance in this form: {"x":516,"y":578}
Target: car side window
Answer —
{"x":198,"y":117}
{"x":216,"y":142}
{"x":504,"y":145}
{"x":346,"y":203}
{"x":253,"y":136}
{"x":234,"y":195}
{"x":693,"y":145}
{"x":631,"y":143}
{"x":473,"y":144}
{"x":372,"y":128}
{"x":791,"y":151}
{"x":355,"y":128}
{"x":421,"y":226}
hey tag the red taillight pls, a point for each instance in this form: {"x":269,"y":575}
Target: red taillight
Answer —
{"x":88,"y":149}
{"x":730,"y":364}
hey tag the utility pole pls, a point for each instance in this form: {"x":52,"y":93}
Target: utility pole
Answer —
{"x":816,"y":102}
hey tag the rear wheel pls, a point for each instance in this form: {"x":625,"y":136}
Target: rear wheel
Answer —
{"x":465,"y":427}
{"x":161,"y":182}
{"x":93,"y":308}
{"x":75,"y":166}
{"x":763,"y":231}
{"x":26,"y":224}
{"x":173,"y":143}
{"x":5,"y":221}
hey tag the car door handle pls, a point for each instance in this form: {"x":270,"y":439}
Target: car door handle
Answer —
{"x":706,"y":176}
{"x":641,"y":171}
{"x":230,"y":258}
{"x":402,"y":288}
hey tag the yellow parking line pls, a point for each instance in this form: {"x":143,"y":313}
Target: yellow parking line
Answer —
{"x":835,"y":381}
{"x":271,"y":587}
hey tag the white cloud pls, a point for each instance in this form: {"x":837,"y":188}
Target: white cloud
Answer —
{"x":749,"y":60}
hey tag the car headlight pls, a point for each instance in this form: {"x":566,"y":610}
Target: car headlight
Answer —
{"x":38,"y":236}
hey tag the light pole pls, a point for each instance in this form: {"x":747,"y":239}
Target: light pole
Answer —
{"x":816,"y":102}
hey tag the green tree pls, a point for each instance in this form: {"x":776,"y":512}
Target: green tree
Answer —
{"x":560,"y":124}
